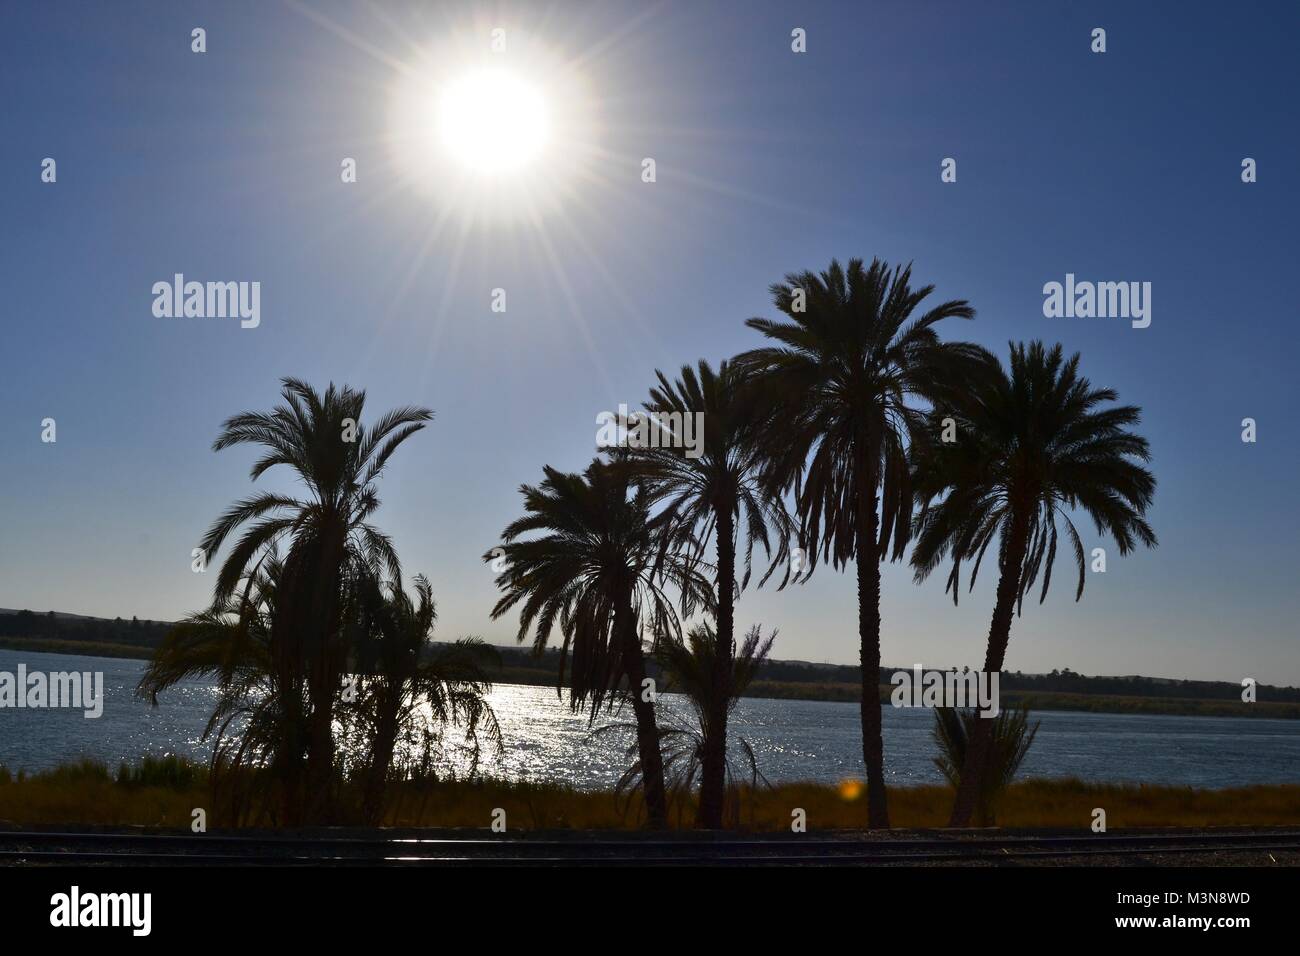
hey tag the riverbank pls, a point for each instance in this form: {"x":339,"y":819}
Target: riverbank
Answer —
{"x":165,"y":794}
{"x":40,"y":645}
{"x":834,"y":691}
{"x":1053,"y":700}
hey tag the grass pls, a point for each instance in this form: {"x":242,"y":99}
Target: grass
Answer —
{"x":163,"y":792}
{"x":87,"y":793}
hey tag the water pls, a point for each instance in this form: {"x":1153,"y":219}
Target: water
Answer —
{"x":793,"y":739}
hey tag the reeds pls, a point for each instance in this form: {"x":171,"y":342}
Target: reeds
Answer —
{"x":163,"y":792}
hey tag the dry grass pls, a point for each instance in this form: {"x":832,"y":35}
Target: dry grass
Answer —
{"x":164,"y":794}
{"x":87,"y":793}
{"x":1047,"y":803}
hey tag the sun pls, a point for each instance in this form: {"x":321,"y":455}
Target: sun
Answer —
{"x":494,"y":137}
{"x":492,"y":121}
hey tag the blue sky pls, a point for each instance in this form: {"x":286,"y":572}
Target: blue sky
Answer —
{"x":1122,"y":166}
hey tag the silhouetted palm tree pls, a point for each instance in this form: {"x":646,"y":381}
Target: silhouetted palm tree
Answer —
{"x":409,"y":691}
{"x":232,"y":642}
{"x":1030,"y":446}
{"x":1010,"y":738}
{"x":599,"y":569}
{"x":716,"y":496}
{"x":692,"y":667}
{"x":328,"y":539}
{"x":841,"y":378}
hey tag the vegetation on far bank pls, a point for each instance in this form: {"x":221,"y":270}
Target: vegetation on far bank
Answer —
{"x":512,"y":672}
{"x":76,"y":634}
{"x":164,"y":792}
{"x":41,"y":645}
{"x":1055,"y":700}
{"x":846,"y":692}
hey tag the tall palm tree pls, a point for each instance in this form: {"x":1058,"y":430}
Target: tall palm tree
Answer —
{"x":409,"y":690}
{"x":329,"y":542}
{"x":1031,"y":445}
{"x":716,"y":496}
{"x":842,"y":377}
{"x":598,"y":567}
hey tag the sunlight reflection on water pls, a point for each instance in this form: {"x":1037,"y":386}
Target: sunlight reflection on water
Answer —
{"x":794,"y":740}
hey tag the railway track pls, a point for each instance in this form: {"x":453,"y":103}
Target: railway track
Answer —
{"x":18,"y":847}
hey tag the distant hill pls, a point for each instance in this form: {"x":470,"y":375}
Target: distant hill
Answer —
{"x":58,"y":614}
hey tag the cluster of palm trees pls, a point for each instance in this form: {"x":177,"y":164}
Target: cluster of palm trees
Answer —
{"x":321,"y":643}
{"x":854,"y":432}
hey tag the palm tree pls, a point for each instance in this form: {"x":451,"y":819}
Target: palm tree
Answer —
{"x":692,"y":667}
{"x":232,"y":642}
{"x":842,"y":377}
{"x":330,"y":544}
{"x":408,"y":690}
{"x":1030,"y":446}
{"x":1009,"y":741}
{"x":713,"y":496}
{"x":598,"y":567}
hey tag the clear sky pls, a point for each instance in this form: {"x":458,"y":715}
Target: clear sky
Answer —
{"x":225,"y":165}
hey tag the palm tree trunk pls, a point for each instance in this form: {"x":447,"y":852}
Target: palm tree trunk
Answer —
{"x":320,"y":747}
{"x":713,"y":770}
{"x":286,"y":770}
{"x":287,"y":660}
{"x":372,"y":804}
{"x":868,"y":567}
{"x":977,"y":748}
{"x":324,"y":676}
{"x":647,"y":739}
{"x":320,"y":743}
{"x":647,"y":730}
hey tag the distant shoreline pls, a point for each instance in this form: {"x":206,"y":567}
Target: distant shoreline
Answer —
{"x":830,"y":691}
{"x":75,"y":648}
